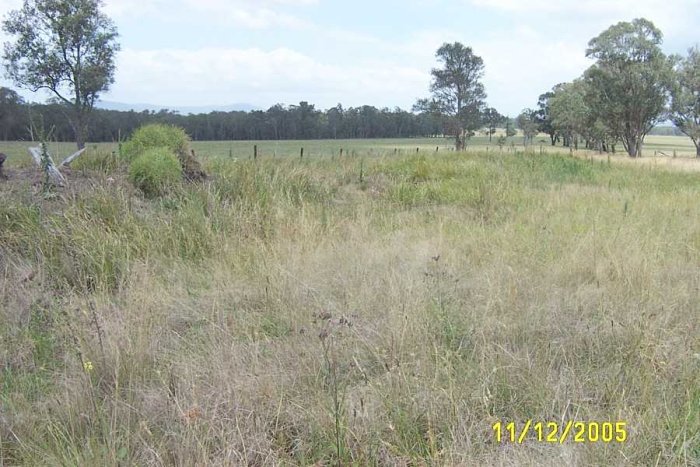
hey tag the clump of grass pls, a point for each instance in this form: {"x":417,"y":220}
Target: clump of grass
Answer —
{"x":422,"y":170}
{"x":98,"y":160}
{"x":154,"y":136}
{"x":156,"y":172}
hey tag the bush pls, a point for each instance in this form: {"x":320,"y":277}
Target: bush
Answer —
{"x":156,"y":135}
{"x":155,"y":171}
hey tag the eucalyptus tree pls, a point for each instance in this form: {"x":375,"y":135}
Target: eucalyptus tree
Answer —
{"x":685,"y":107}
{"x":67,"y":47}
{"x":569,"y":111}
{"x":457,"y":92}
{"x":543,"y":117}
{"x":631,"y":78}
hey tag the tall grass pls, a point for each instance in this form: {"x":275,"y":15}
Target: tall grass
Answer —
{"x":449,"y":291}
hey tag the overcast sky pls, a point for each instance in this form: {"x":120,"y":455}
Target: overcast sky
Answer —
{"x":263,"y":52}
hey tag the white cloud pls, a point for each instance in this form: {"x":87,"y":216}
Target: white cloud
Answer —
{"x":224,"y":75}
{"x":252,"y":18}
{"x":673,"y":17}
{"x":252,"y":14}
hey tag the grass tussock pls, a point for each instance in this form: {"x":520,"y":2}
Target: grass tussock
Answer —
{"x":377,"y":311}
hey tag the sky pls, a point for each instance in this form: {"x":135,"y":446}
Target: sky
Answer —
{"x":263,"y":52}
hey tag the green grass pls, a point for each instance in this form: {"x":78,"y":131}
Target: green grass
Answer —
{"x":387,"y":307}
{"x":243,"y":150}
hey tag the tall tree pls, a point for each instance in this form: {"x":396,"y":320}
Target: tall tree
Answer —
{"x":457,"y":92}
{"x":685,"y":107}
{"x":64,"y":46}
{"x":632,"y":78}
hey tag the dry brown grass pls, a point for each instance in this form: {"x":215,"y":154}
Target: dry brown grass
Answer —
{"x":450,"y":293}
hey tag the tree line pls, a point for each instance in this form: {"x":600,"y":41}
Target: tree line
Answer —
{"x":20,"y":120}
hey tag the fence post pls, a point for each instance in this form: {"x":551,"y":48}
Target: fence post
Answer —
{"x":255,"y":151}
{"x":301,"y":153}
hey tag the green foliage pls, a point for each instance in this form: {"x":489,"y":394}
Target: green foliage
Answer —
{"x":458,"y":94}
{"x":491,"y":118}
{"x":528,"y":123}
{"x":685,"y":109}
{"x":156,"y":171}
{"x":67,"y":47}
{"x":568,"y":109}
{"x":510,"y":128}
{"x":153,"y":136}
{"x":631,"y":80}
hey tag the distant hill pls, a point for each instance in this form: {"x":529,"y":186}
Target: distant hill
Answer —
{"x":185,"y":110}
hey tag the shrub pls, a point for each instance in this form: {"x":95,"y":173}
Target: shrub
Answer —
{"x":155,"y":171}
{"x":156,"y":135}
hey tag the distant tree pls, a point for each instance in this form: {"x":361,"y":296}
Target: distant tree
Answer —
{"x":595,"y":128}
{"x":335,"y":120}
{"x":569,"y":111}
{"x":67,"y":47}
{"x":276,"y":116}
{"x":306,"y":120}
{"x":632,"y":79}
{"x":542,"y":117}
{"x":527,"y":122}
{"x":457,"y":92}
{"x":510,"y":127}
{"x":492,"y":119}
{"x":10,"y":110}
{"x":685,"y":106}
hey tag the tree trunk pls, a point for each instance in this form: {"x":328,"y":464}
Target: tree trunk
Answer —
{"x":697,"y":148}
{"x":633,"y":144}
{"x":79,"y":124}
{"x":633,"y":147}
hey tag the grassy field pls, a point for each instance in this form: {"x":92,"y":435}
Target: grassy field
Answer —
{"x":376,"y":309}
{"x":653,"y":147}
